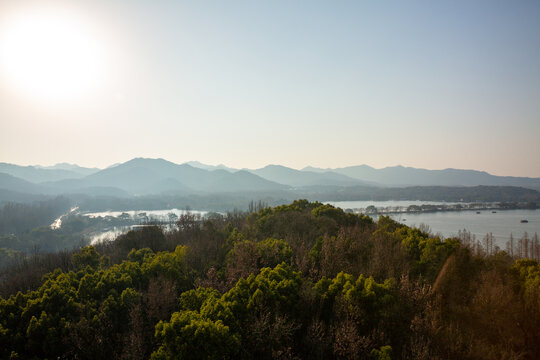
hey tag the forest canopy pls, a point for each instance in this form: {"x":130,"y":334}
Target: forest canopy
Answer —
{"x":299,"y":281}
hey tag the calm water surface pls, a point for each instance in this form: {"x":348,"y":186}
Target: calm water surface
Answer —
{"x":501,"y":224}
{"x":385,"y":204}
{"x":160,"y":215}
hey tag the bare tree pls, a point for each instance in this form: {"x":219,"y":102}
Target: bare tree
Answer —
{"x":525,"y":240}
{"x":488,"y":243}
{"x":510,"y":246}
{"x":535,"y":247}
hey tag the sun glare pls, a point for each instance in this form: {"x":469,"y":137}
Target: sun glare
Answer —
{"x":50,"y":55}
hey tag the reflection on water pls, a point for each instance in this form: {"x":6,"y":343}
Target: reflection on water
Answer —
{"x":167,"y":216}
{"x":159,"y":214}
{"x":57,"y":224}
{"x":109,"y":235}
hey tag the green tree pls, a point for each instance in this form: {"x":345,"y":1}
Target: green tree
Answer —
{"x":189,"y":335}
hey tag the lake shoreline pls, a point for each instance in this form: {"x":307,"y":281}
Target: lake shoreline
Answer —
{"x":430,"y":210}
{"x":437,"y":207}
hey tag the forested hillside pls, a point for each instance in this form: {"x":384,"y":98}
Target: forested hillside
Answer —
{"x":298,"y":281}
{"x":155,"y":182}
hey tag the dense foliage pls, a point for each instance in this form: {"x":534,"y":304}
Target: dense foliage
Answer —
{"x":16,"y":218}
{"x":303,"y":280}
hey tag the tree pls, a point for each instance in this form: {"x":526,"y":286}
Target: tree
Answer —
{"x":88,"y":256}
{"x":188,"y":335}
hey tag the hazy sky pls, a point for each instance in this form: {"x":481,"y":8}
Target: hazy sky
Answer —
{"x":432,"y":84}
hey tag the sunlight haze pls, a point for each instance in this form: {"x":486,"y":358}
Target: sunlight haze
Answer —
{"x":48,"y":55}
{"x":425,"y":84}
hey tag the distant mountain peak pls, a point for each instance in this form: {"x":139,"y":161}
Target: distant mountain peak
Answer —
{"x":276,"y":166}
{"x":37,"y":174}
{"x":142,"y":175}
{"x":195,"y":163}
{"x":299,"y":178}
{"x":146,"y":160}
{"x":203,"y":166}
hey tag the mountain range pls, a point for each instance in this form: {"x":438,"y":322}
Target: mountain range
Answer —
{"x":297,"y":178}
{"x":38,"y":174}
{"x":142,"y":176}
{"x":74,"y":168}
{"x":407,"y":176}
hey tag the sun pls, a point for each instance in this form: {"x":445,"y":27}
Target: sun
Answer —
{"x":50,"y":55}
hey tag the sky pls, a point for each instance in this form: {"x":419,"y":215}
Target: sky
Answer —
{"x":427,"y":84}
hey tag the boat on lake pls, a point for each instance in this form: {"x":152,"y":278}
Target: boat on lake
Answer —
{"x":524,"y":221}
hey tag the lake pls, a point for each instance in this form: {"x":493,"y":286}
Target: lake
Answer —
{"x":501,"y":224}
{"x":386,"y":204}
{"x":154,"y":214}
{"x":135,"y":215}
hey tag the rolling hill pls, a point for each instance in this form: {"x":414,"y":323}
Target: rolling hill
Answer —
{"x":297,"y":178}
{"x":408,"y":176}
{"x":13,"y":183}
{"x":83,"y":171}
{"x":141,"y":176}
{"x":37,"y":174}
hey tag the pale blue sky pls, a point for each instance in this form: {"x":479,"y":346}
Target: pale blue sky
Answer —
{"x":432,"y":84}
